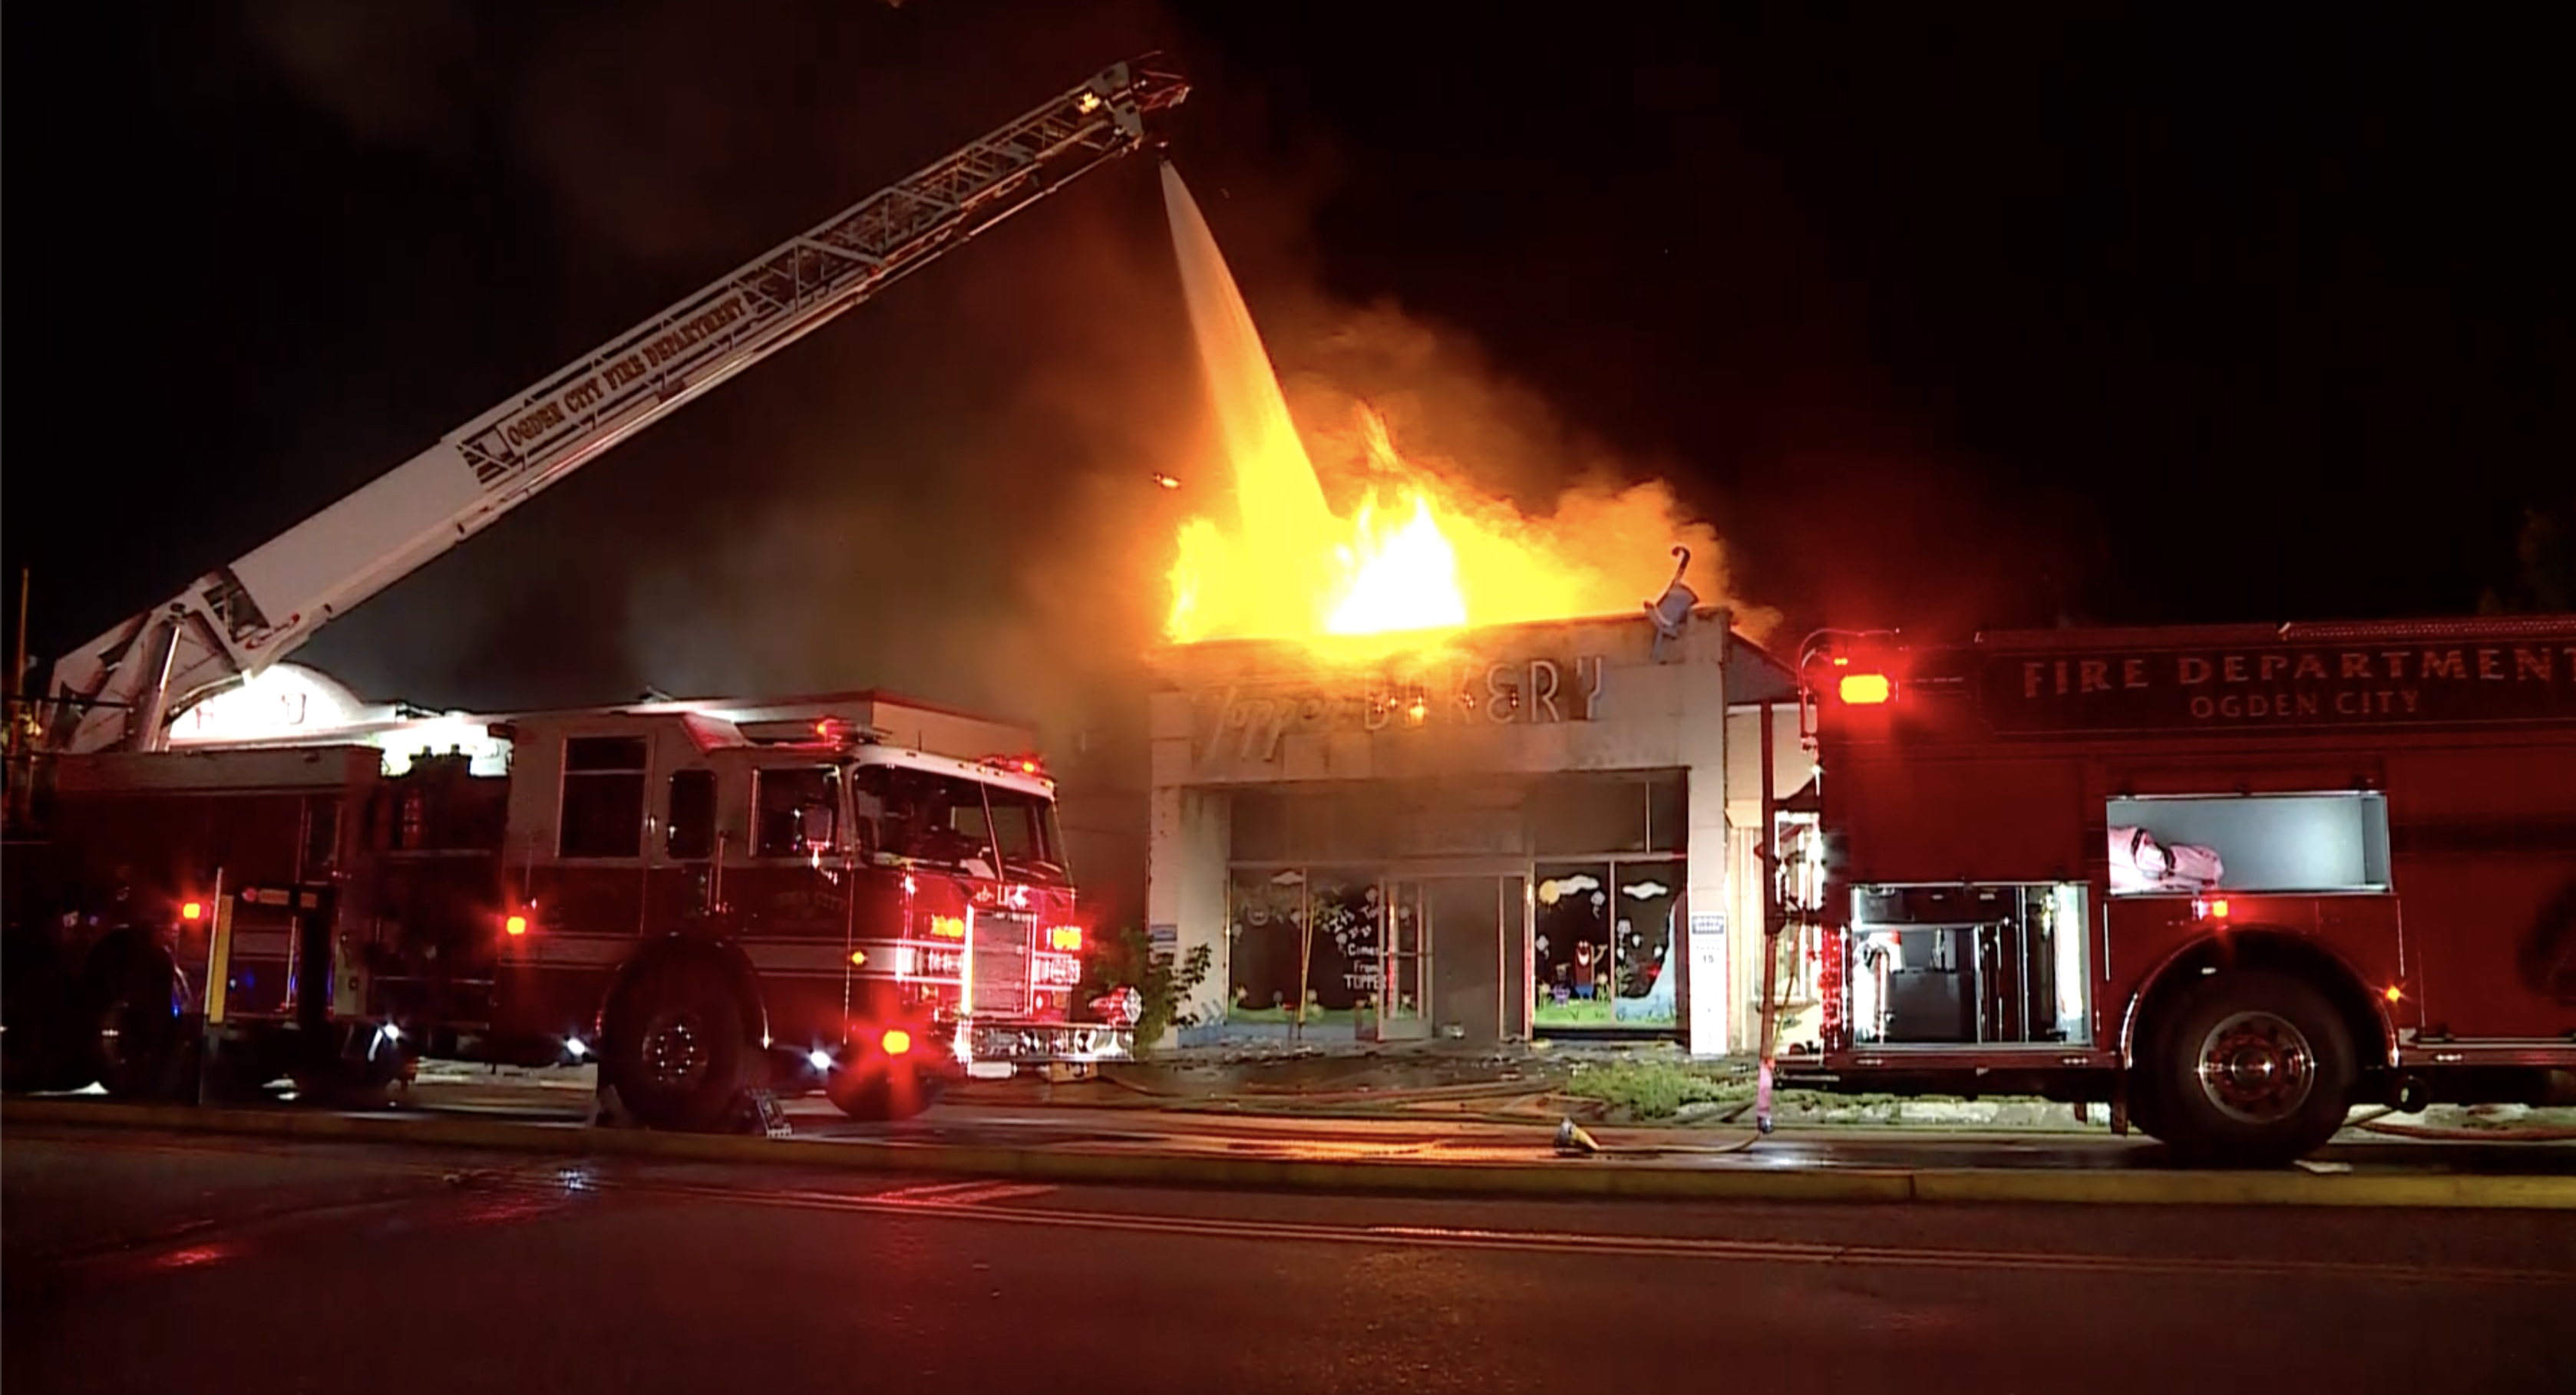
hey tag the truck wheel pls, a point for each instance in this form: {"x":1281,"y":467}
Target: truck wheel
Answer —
{"x":134,"y":1036}
{"x":676,"y":1056}
{"x":882,"y":1099}
{"x":2255,"y":1070}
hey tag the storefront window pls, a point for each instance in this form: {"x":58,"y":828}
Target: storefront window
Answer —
{"x":1268,"y":927}
{"x":1642,"y":938}
{"x":1342,"y":965}
{"x":1572,"y":944}
{"x":1603,"y":944}
{"x":1588,"y":814}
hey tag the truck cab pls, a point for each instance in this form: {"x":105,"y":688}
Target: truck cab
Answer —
{"x":796,"y":902}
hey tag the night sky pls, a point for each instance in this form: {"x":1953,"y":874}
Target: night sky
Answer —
{"x":2012,"y":319}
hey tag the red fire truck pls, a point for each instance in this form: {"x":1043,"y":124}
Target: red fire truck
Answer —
{"x":702,"y":897}
{"x":707,"y":897}
{"x":2232,"y":881}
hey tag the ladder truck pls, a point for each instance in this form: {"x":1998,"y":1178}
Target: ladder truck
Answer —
{"x":115,"y":899}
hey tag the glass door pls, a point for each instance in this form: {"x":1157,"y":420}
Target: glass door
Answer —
{"x":1404,"y":964}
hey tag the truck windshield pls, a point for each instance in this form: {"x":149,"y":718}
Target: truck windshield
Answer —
{"x":1024,"y":831}
{"x":946,"y":821}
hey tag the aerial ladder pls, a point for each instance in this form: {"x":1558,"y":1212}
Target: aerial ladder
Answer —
{"x":122,"y":690}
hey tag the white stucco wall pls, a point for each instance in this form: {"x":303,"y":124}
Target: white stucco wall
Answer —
{"x":1573,"y":696}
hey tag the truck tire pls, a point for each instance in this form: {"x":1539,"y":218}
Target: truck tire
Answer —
{"x":676,"y":1052}
{"x":881,"y":1099}
{"x":2254,"y":1069}
{"x":134,"y":1038}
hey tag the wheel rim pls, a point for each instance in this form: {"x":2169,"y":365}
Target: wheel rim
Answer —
{"x":675,"y":1052}
{"x":114,"y":1046}
{"x":2257,"y":1068}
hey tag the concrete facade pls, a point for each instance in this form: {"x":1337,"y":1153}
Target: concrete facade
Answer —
{"x":1434,"y":825}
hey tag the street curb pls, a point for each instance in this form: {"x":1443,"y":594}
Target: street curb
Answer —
{"x":1568,"y":1179}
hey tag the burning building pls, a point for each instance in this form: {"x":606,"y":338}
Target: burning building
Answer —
{"x":1518,"y":831}
{"x":1424,"y":769}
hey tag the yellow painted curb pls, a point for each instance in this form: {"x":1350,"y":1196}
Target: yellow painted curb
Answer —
{"x":1564,"y":1179}
{"x":2298,"y":1188}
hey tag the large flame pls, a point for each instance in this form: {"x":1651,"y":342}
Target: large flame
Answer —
{"x":1418,"y":555}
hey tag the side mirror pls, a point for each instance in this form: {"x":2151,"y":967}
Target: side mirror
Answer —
{"x":814,"y":827}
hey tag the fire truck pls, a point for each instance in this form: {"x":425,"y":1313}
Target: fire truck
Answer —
{"x":708,"y":897}
{"x":2230,"y":881}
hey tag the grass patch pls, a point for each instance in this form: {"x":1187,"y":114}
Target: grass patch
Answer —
{"x":1654,"y":1089}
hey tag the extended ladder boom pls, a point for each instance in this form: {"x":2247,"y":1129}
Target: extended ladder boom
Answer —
{"x":122,"y":688}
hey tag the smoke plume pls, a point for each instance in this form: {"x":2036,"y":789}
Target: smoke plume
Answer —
{"x":952,"y":492}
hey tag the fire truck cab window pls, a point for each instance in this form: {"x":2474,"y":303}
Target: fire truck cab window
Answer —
{"x":796,"y":811}
{"x":690,"y":833}
{"x":1024,"y":830}
{"x":603,"y":797}
{"x":321,"y":838}
{"x":927,"y":817}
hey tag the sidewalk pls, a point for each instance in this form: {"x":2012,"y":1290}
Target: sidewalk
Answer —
{"x":1642,"y":1085}
{"x":1651,"y":1086}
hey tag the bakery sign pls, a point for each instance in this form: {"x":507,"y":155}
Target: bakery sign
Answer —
{"x":1251,"y":720}
{"x":2379,"y":684}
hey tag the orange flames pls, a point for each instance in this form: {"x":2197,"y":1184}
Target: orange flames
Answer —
{"x":1419,"y":555}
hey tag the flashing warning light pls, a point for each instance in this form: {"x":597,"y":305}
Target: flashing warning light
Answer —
{"x":192,"y":910}
{"x":515,"y":925}
{"x":948,"y":927}
{"x":2210,"y":910}
{"x":1028,"y":767}
{"x":858,"y":956}
{"x":897,"y":1041}
{"x":1865,"y":689}
{"x":2395,"y":993}
{"x":1065,"y":938}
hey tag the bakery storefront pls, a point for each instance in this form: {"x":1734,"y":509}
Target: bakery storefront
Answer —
{"x":1530,"y":832}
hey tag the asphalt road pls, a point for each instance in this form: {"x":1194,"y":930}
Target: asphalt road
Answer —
{"x":151,"y":1263}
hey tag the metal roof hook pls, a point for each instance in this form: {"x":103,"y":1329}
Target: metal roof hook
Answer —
{"x":1671,"y":612}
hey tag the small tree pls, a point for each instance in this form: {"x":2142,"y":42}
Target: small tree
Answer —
{"x":1125,"y":958}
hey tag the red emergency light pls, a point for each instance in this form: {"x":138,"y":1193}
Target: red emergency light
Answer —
{"x":1866,"y":689}
{"x":192,"y":910}
{"x":515,"y":925}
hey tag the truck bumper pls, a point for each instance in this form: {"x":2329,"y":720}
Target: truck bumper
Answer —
{"x":992,"y":1050}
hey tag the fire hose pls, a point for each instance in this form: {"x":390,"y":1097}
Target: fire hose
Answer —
{"x":2372,"y":1123}
{"x":1573,"y":1140}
